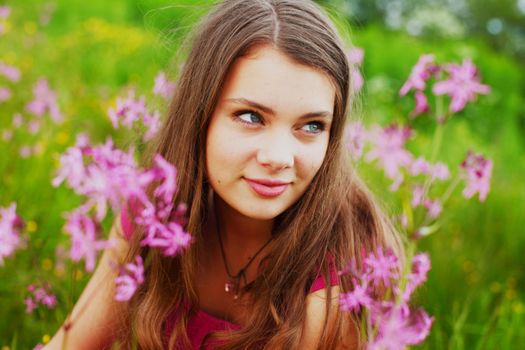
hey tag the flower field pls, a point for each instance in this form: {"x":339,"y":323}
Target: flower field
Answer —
{"x":438,"y":134}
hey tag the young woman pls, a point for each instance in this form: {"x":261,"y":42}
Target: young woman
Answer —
{"x":256,"y":131}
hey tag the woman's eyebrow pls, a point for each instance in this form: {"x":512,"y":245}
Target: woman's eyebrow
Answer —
{"x":271,"y":112}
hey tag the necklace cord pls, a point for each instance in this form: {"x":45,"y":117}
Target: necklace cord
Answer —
{"x":235,"y":279}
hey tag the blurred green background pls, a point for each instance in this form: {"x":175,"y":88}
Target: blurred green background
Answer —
{"x":92,"y":51}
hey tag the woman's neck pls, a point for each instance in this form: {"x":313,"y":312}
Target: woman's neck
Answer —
{"x":239,"y":232}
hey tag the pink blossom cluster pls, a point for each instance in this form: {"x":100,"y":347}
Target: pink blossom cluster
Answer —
{"x":163,"y":87}
{"x":461,"y":83}
{"x":5,"y":12}
{"x":10,"y":226}
{"x":437,"y":171}
{"x":44,"y":101}
{"x":12,"y":74}
{"x":102,"y":173}
{"x":355,"y":57}
{"x":9,"y":72}
{"x":477,"y":172}
{"x":391,"y":323}
{"x":162,"y":222}
{"x":107,"y":177}
{"x":130,"y":277}
{"x":39,"y":296}
{"x":84,"y":232}
{"x":419,"y":198}
{"x":388,"y":148}
{"x":131,"y":110}
{"x":356,"y":136}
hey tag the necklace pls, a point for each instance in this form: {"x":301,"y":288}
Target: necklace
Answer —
{"x":234,"y":281}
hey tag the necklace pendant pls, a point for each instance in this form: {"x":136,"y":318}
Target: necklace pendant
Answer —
{"x":228,"y":286}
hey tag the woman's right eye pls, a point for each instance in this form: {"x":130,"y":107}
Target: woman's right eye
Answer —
{"x":248,"y":117}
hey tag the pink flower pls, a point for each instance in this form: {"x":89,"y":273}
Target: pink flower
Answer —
{"x":5,"y":94}
{"x":478,"y":171}
{"x":30,"y":305}
{"x":170,"y":238}
{"x":5,"y":11}
{"x":417,"y":196}
{"x":25,"y":151}
{"x":129,"y":279}
{"x":10,"y":72}
{"x":17,"y":120}
{"x":462,"y":85}
{"x":390,"y":322}
{"x":71,"y":168}
{"x":33,"y":127}
{"x":440,"y":171}
{"x":418,"y":274}
{"x":10,"y":226}
{"x":421,"y":104}
{"x":381,"y":268}
{"x":357,"y":80}
{"x":107,"y":177}
{"x":131,"y":110}
{"x":355,"y":139}
{"x":128,"y":110}
{"x":388,"y":149}
{"x":421,"y":72}
{"x":355,"y":55}
{"x":152,"y":123}
{"x":398,"y":328}
{"x":84,"y":243}
{"x":50,"y":301}
{"x":39,"y":296}
{"x":434,"y":208}
{"x":44,"y":101}
{"x":103,"y":174}
{"x":38,"y":346}
{"x":166,"y":173}
{"x":420,"y":166}
{"x":354,"y":300}
{"x":163,"y":87}
{"x":355,"y":58}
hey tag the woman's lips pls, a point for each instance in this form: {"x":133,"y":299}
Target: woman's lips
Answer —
{"x":267,"y":188}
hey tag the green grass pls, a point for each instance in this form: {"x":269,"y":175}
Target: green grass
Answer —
{"x":92,"y":51}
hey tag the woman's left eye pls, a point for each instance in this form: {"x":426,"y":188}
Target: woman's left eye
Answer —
{"x":314,"y":127}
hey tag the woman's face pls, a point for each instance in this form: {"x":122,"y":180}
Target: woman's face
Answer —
{"x":269,"y":133}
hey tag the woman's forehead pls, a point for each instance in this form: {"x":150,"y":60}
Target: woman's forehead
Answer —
{"x":272,"y":79}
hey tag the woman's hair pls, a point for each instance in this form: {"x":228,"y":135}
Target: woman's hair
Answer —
{"x":336,"y":216}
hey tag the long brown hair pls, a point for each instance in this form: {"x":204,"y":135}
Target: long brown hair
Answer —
{"x":337,"y":216}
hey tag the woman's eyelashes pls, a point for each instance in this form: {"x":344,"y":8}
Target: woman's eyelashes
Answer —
{"x":248,"y":117}
{"x":252,"y":118}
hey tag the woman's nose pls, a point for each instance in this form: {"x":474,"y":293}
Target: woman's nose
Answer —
{"x":276,"y":153}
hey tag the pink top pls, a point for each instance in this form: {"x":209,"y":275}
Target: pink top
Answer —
{"x":202,"y":323}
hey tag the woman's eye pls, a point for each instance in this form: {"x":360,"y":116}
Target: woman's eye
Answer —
{"x":314,"y":127}
{"x":248,"y":117}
